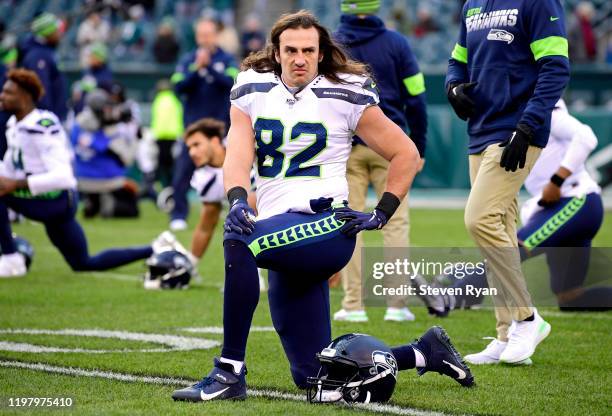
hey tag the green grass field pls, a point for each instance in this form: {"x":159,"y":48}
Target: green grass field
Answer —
{"x":572,"y":371}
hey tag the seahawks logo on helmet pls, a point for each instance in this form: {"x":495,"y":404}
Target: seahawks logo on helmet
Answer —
{"x":354,"y":368}
{"x":168,"y":270}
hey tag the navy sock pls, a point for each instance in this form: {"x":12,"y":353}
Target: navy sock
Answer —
{"x":239,"y":299}
{"x":597,"y":298}
{"x":405,"y":357}
{"x":6,"y":237}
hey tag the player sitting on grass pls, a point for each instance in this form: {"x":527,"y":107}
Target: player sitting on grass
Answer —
{"x":295,"y":109}
{"x":37,"y":181}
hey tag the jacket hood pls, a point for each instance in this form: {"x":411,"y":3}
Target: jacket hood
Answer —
{"x":354,"y":30}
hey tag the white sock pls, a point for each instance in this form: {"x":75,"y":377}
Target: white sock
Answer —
{"x":419,"y":358}
{"x":236,"y":364}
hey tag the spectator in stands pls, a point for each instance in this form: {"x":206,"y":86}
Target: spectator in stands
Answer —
{"x":167,"y":128}
{"x":425,"y":23}
{"x":37,"y":53}
{"x":401,"y":88}
{"x":94,"y":29}
{"x":132,"y":33}
{"x":166,"y":46}
{"x":228,"y":38}
{"x":252,"y":38}
{"x":581,"y":37}
{"x":203,"y":79}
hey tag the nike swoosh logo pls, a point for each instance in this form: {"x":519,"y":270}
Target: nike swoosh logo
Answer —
{"x":552,"y":19}
{"x":459,"y":371}
{"x":211,"y":396}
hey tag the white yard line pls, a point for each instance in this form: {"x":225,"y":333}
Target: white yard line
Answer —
{"x":263,"y":393}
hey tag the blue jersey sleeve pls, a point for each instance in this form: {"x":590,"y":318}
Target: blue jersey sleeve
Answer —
{"x":457,"y":72}
{"x":414,"y":105}
{"x":548,"y":43}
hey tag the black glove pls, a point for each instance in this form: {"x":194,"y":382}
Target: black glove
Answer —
{"x":460,"y":100}
{"x":515,"y":148}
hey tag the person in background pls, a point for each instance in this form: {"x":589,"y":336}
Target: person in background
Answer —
{"x":166,"y":46}
{"x":252,"y":38}
{"x":581,"y":36}
{"x":402,"y":99}
{"x":37,"y":53}
{"x":167,"y":129}
{"x":92,"y":30}
{"x":203,"y":80}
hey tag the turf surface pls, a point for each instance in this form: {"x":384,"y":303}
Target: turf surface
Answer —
{"x":572,"y":371}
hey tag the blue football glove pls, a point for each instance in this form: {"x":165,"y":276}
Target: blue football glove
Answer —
{"x":321,"y":204}
{"x":240,"y":218}
{"x":356,"y":221}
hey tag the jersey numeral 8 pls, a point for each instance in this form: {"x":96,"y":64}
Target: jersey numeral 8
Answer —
{"x":269,"y":135}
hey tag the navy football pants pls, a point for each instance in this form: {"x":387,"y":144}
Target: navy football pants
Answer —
{"x":58,"y":217}
{"x":301,"y":252}
{"x":563,"y":232}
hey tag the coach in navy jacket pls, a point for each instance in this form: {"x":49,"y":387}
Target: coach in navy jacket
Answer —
{"x":397,"y":76}
{"x":506,"y":72}
{"x":203,"y":79}
{"x":401,"y":88}
{"x":37,"y":53}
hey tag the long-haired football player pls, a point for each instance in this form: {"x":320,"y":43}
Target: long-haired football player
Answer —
{"x":295,"y":109}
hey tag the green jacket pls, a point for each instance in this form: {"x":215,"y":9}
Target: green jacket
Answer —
{"x":166,"y":116}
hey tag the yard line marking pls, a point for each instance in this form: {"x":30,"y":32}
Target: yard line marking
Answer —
{"x":170,"y":381}
{"x":172,"y":342}
{"x":581,"y":315}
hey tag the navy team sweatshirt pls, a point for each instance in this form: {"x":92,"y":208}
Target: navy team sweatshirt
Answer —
{"x":399,"y":81}
{"x":516,"y":50}
{"x":205,"y":92}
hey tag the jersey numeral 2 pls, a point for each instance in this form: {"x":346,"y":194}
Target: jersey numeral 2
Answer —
{"x":269,"y":135}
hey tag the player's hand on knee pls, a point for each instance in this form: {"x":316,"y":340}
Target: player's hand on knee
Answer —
{"x":515,"y":148}
{"x":356,"y":221}
{"x":240,"y":218}
{"x":460,"y":100}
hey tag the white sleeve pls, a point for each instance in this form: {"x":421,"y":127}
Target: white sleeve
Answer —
{"x":238,"y":96}
{"x":56,"y":158}
{"x":364,"y":97}
{"x":581,"y":137}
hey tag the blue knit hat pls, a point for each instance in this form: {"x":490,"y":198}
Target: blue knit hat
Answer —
{"x":360,"y":6}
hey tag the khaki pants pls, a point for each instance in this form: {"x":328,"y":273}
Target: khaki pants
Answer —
{"x":365,"y":166}
{"x":491,"y":215}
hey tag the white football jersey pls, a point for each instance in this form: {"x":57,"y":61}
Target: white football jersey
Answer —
{"x":569,"y":145}
{"x":208,"y":183}
{"x":303,"y":141}
{"x":38,"y":150}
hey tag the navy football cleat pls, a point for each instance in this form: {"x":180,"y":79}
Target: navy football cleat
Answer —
{"x":220,"y":384}
{"x":442,"y":357}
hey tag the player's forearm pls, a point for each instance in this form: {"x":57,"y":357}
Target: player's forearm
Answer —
{"x":402,"y":169}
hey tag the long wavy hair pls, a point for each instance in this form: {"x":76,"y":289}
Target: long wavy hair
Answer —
{"x":335,"y":60}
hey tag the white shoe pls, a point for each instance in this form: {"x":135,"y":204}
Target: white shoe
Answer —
{"x":524,"y":339}
{"x":351,"y":316}
{"x":490,"y":355}
{"x":178,"y":225}
{"x":12,"y":265}
{"x":399,"y":315}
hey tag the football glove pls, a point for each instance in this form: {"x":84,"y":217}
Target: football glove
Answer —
{"x":515,"y":148}
{"x":240,"y":218}
{"x":321,"y":204}
{"x":356,"y":221}
{"x":460,"y":100}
